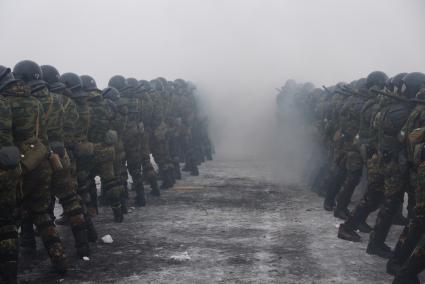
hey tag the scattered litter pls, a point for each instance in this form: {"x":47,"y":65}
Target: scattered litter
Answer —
{"x":181,"y":257}
{"x":86,"y":258}
{"x":107,"y":239}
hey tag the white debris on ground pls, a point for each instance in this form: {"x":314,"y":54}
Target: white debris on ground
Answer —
{"x":107,"y":239}
{"x":181,"y":257}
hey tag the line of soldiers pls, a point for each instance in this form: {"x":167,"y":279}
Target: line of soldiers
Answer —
{"x":59,"y":131}
{"x":371,"y":128}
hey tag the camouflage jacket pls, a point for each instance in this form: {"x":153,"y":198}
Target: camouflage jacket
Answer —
{"x":70,"y":119}
{"x":6,"y":137}
{"x":27,"y":114}
{"x":132,"y":100}
{"x":82,"y":125}
{"x":118,"y":116}
{"x":53,"y":113}
{"x":100,"y":118}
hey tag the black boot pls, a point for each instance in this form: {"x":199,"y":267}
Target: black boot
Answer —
{"x":140,"y":194}
{"x":57,"y":257}
{"x":154,"y":187}
{"x":381,"y":250}
{"x":91,"y":230}
{"x":28,"y":243}
{"x":328,"y":205}
{"x":347,"y":233}
{"x":118,"y":214}
{"x":9,"y":272}
{"x":341,"y":213}
{"x":167,"y":179}
{"x":194,"y":171}
{"x":415,"y":264}
{"x":81,"y":240}
{"x":364,"y":227}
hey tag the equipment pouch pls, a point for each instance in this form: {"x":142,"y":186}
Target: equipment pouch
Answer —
{"x":34,"y":152}
{"x":55,"y":162}
{"x":84,"y":149}
{"x":417,"y":135}
{"x":418,"y":155}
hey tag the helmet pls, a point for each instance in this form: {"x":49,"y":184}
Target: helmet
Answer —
{"x":51,"y":76}
{"x":88,"y":83}
{"x":290,"y":84}
{"x":157,"y":85}
{"x":29,"y":72}
{"x":376,"y":78}
{"x":111,"y":93}
{"x":118,"y":82}
{"x":73,"y":82}
{"x":145,"y":85}
{"x":396,"y":82}
{"x":412,"y":83}
{"x":133,"y":83}
{"x":6,"y":77}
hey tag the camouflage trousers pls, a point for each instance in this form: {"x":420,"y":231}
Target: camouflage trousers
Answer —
{"x":159,"y":143}
{"x":389,"y":183}
{"x":132,"y":149}
{"x":35,"y":210}
{"x":9,"y":189}
{"x":64,"y":187}
{"x":345,"y":174}
{"x":101,"y":164}
{"x":413,"y":232}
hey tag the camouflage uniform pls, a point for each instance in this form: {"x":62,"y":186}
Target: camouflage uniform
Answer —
{"x":394,"y":169}
{"x":119,"y":123}
{"x":413,"y":133}
{"x":133,"y":142}
{"x":159,"y":138}
{"x":9,"y":182}
{"x":61,"y":116}
{"x":348,"y":158}
{"x":31,"y":137}
{"x":368,"y":147}
{"x":146,"y":115}
{"x":102,"y":162}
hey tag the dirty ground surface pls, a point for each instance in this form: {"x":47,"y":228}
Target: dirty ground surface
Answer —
{"x":234,"y":224}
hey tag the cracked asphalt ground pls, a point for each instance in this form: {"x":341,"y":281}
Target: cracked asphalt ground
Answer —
{"x":236,"y":223}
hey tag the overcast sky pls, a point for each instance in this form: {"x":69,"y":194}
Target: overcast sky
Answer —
{"x":237,"y":50}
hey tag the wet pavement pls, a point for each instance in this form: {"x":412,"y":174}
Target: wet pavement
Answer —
{"x":234,"y":224}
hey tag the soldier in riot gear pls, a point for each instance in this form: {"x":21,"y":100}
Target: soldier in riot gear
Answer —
{"x":104,"y":140}
{"x":75,"y":131}
{"x":31,"y":137}
{"x":159,"y":135}
{"x":10,"y":172}
{"x":132,"y":134}
{"x":64,"y":183}
{"x":408,"y":260}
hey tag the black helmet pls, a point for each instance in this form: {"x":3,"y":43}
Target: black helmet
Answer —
{"x":111,"y":93}
{"x":157,"y":85}
{"x":6,"y":77}
{"x":73,"y":82}
{"x":396,"y":81}
{"x":118,"y":82}
{"x":412,"y":83}
{"x":133,"y":83}
{"x":145,"y":85}
{"x":88,"y":83}
{"x":29,"y":72}
{"x":376,"y":78}
{"x":52,"y":77}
